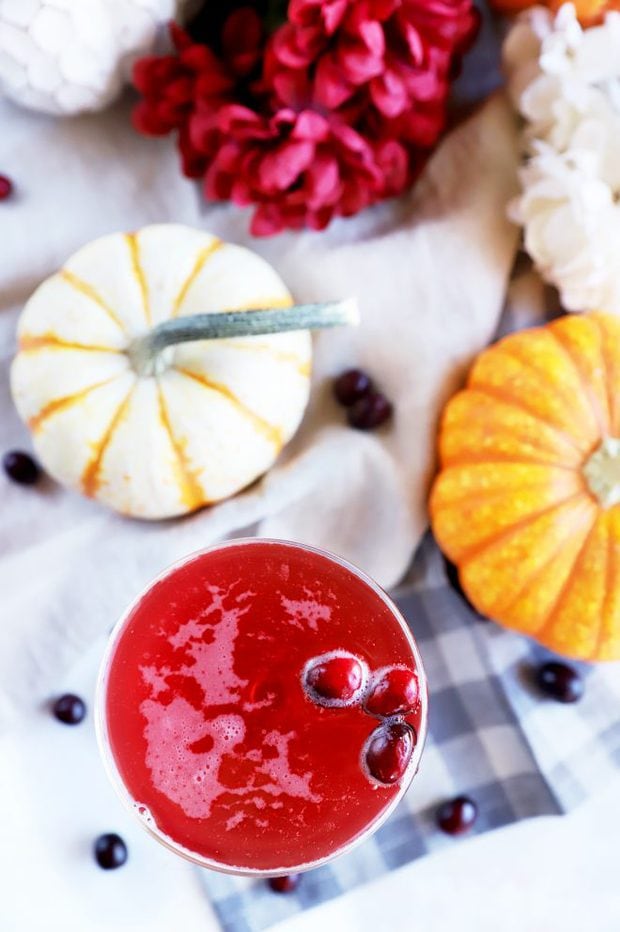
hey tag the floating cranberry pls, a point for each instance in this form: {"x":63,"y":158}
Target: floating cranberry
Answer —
{"x":285,"y":884}
{"x":457,"y":815}
{"x":559,"y":681}
{"x":69,"y":709}
{"x":388,"y":751}
{"x":351,"y":386}
{"x":335,"y":679}
{"x":110,"y":851}
{"x":21,"y":467}
{"x":393,"y":691}
{"x":369,"y":412}
{"x":6,"y":187}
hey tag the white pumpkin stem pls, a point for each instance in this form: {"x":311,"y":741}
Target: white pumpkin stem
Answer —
{"x":145,"y":352}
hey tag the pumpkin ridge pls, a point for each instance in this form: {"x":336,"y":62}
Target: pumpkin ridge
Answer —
{"x":509,"y":348}
{"x":138,"y":272}
{"x":304,"y":368}
{"x":499,"y":395}
{"x":201,"y":258}
{"x":500,"y":414}
{"x":601,"y":634}
{"x":553,"y":611}
{"x":29,"y":343}
{"x":192,"y":492}
{"x":60,"y":404}
{"x":538,"y":572}
{"x":272,"y":433}
{"x":611,"y":398}
{"x":475,"y":459}
{"x":602,"y":418}
{"x":89,"y":479}
{"x":480,"y":547}
{"x":486,"y":497}
{"x":87,"y":291}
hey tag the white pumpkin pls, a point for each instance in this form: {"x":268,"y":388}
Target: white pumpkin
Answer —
{"x":69,"y":56}
{"x":156,"y":430}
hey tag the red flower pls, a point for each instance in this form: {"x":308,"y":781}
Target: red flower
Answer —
{"x":174,"y":86}
{"x":388,"y":55}
{"x":171,"y":84}
{"x":336,"y":112}
{"x":300,"y":168}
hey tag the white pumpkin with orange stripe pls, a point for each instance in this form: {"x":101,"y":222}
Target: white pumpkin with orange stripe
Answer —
{"x":196,"y":423}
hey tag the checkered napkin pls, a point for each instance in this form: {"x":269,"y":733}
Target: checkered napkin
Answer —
{"x":491,"y":736}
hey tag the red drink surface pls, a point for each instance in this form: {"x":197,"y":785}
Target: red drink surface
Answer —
{"x":207,"y":719}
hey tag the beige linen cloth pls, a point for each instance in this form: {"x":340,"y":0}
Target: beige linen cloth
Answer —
{"x":429,"y":271}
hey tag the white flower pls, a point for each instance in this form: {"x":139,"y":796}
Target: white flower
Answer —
{"x":565,"y":82}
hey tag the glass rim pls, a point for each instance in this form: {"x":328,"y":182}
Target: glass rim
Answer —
{"x":109,"y":762}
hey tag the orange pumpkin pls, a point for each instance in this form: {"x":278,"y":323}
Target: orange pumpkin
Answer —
{"x":588,"y":11}
{"x":527,"y":501}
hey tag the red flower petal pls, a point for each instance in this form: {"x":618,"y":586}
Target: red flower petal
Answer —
{"x":146,"y":120}
{"x":371,"y":34}
{"x":180,"y":39}
{"x":243,"y":123}
{"x":382,"y":9}
{"x":414,"y":43}
{"x":319,"y":219}
{"x":199,"y":59}
{"x":331,"y":86}
{"x":332,"y":14}
{"x":289,"y":48}
{"x":323,"y":182}
{"x":267,"y":220}
{"x":293,"y":88}
{"x":394,"y":163}
{"x":310,"y":125}
{"x":281,"y":168}
{"x":217,"y":183}
{"x":193,"y":163}
{"x":351,"y":139}
{"x":242,"y":36}
{"x":389,"y":94}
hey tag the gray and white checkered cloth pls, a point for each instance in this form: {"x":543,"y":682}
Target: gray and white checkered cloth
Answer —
{"x":492,"y":736}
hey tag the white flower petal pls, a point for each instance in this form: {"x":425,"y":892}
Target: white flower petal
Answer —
{"x":565,"y":82}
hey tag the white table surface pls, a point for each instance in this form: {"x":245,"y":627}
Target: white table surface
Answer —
{"x":544,"y":875}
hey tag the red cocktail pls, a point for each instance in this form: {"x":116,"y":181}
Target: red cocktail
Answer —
{"x":262,"y":707}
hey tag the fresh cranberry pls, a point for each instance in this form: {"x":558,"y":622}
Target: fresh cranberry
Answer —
{"x":69,"y":709}
{"x":21,"y":467}
{"x":334,"y":679}
{"x":393,"y":691}
{"x":388,"y":751}
{"x":6,"y":187}
{"x":110,"y":851}
{"x":285,"y":884}
{"x":457,"y":815}
{"x":351,"y":386}
{"x":369,"y":412}
{"x":561,"y":682}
